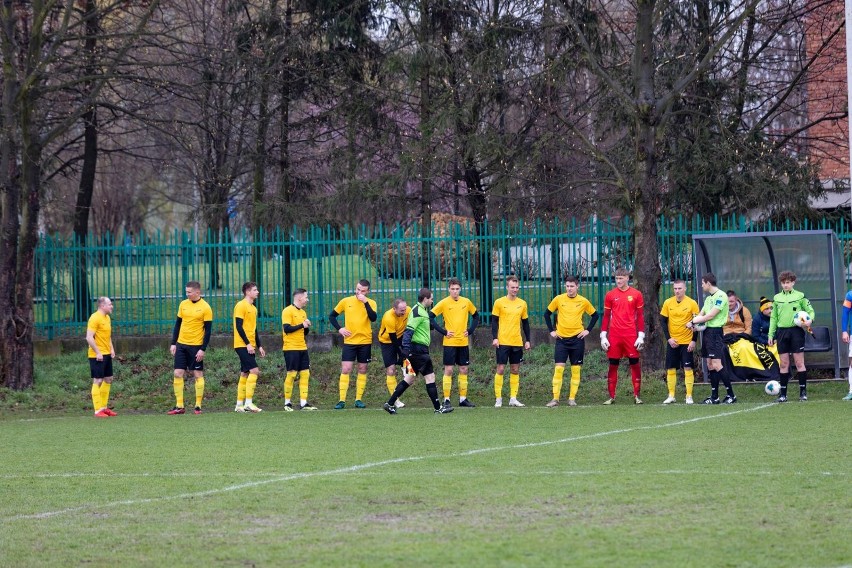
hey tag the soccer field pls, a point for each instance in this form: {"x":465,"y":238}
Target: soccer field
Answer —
{"x":744,"y":485}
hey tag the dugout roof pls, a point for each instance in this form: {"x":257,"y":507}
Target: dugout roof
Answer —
{"x":749,"y":264}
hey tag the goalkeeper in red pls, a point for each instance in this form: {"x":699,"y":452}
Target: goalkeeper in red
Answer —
{"x":623,"y":332}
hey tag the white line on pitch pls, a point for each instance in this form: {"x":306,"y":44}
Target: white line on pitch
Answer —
{"x":370,"y":465}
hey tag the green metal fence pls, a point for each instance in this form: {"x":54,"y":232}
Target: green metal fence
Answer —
{"x":145,"y":274}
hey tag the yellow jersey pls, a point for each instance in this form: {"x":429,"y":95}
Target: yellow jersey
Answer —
{"x":456,"y":314}
{"x":392,"y":323}
{"x":680,"y":314}
{"x":356,"y":320}
{"x":511,"y":313}
{"x":247,"y":311}
{"x":193,"y":315}
{"x":569,"y":319}
{"x":291,"y":315}
{"x":101,"y":325}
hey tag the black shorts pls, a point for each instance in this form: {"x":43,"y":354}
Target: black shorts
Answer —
{"x":247,"y":360}
{"x":421,"y":363}
{"x":391,"y":355}
{"x":457,"y":356}
{"x":360,"y":353}
{"x":677,"y":357}
{"x":101,"y":369}
{"x":569,"y":349}
{"x":712,"y":346}
{"x":509,"y":354}
{"x":297,"y":360}
{"x":790,"y":340}
{"x":185,"y":357}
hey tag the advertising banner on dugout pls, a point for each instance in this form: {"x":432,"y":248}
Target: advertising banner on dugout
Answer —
{"x":749,"y":360}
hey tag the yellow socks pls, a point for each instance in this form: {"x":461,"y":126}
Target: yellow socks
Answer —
{"x":96,"y":396}
{"x":671,"y":380}
{"x":575,"y":382}
{"x":514,"y":384}
{"x":289,"y":379}
{"x":390,"y":380}
{"x":199,"y":390}
{"x":360,"y":385}
{"x":689,"y":380}
{"x":241,"y":390}
{"x":498,"y":386}
{"x":178,"y":386}
{"x":343,"y":386}
{"x":304,"y":381}
{"x":251,"y":384}
{"x":105,"y":394}
{"x":448,"y":385}
{"x":557,"y":381}
{"x":462,"y":386}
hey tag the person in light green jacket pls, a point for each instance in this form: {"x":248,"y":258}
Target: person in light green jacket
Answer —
{"x":784,"y":330}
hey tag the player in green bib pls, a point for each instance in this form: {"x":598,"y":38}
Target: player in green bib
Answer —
{"x":714,"y":314}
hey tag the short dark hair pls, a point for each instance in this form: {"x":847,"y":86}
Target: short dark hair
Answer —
{"x":710,"y":278}
{"x":397,"y":301}
{"x":787,"y":276}
{"x":423,"y":294}
{"x":731,"y":293}
{"x":572,"y":278}
{"x":364,"y":282}
{"x":679,"y":281}
{"x":298,"y":291}
{"x":453,"y":282}
{"x":512,"y":278}
{"x":194,"y":284}
{"x":248,"y":286}
{"x":621,"y":271}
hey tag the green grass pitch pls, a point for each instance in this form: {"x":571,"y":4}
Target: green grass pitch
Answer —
{"x":752,"y":484}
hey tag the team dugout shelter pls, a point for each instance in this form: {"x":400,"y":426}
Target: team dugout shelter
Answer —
{"x":749,"y":264}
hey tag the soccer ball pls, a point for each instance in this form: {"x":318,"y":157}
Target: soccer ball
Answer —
{"x":407,"y":369}
{"x":772,"y":388}
{"x":802,"y":319}
{"x":699,"y":326}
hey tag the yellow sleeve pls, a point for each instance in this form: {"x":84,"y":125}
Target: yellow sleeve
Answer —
{"x":524,"y":313}
{"x":553,"y":305}
{"x":208,"y":312}
{"x":341,"y":305}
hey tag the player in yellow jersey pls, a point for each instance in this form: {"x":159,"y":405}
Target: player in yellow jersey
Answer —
{"x":508,"y":317}
{"x":247,"y":345}
{"x":677,"y":313}
{"x":460,"y":320}
{"x":295,"y":326}
{"x":359,"y":312}
{"x":390,"y":339}
{"x":101,"y":353}
{"x":190,"y":337}
{"x":570,"y":336}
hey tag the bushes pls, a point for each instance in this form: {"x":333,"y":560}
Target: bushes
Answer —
{"x":451,"y":251}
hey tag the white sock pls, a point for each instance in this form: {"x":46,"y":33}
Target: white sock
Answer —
{"x":850,"y":378}
{"x":303,"y":401}
{"x":287,"y":401}
{"x":461,"y":398}
{"x":248,"y":401}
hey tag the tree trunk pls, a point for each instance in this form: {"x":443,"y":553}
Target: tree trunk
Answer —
{"x":646,"y":268}
{"x":79,"y":276}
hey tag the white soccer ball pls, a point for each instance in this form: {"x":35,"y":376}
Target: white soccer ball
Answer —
{"x":772,"y":388}
{"x":802,"y":319}
{"x":699,"y":326}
